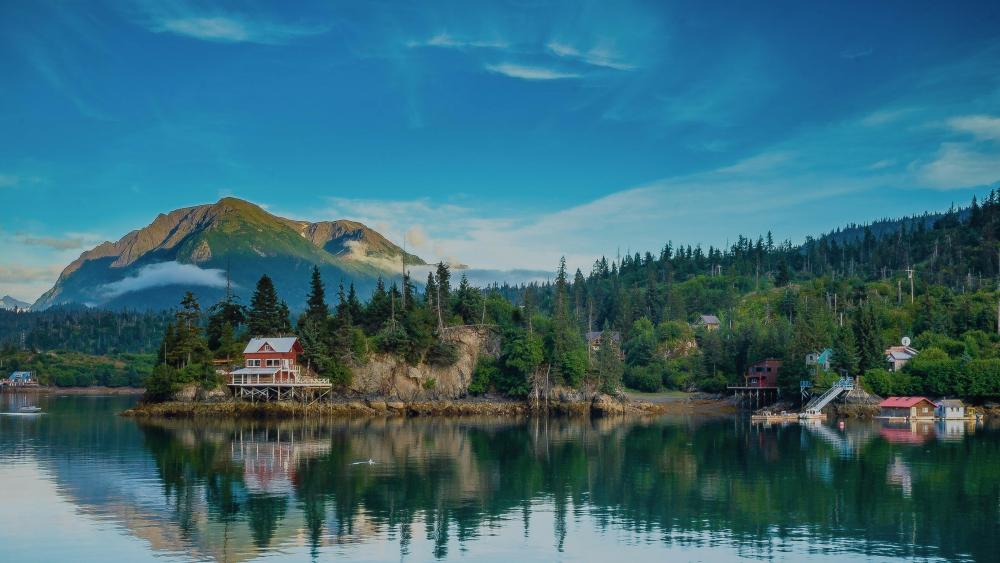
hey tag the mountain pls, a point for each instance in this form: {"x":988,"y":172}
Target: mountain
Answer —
{"x":9,"y":303}
{"x":195,"y":247}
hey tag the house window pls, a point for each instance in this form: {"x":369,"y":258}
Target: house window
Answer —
{"x":272,"y":363}
{"x":253,"y":363}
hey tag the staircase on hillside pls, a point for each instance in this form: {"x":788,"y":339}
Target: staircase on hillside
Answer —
{"x":816,"y":405}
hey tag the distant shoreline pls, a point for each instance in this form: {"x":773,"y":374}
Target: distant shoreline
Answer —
{"x":601,"y":406}
{"x":96,"y":390}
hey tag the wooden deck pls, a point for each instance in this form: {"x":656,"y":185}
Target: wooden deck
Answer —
{"x":278,"y":388}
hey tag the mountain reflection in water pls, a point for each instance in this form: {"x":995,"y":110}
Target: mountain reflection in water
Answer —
{"x":490,"y":489}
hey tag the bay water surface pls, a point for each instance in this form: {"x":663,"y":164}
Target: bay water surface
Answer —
{"x":81,"y":484}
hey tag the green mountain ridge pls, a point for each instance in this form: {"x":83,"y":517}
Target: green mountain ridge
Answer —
{"x":189,"y":248}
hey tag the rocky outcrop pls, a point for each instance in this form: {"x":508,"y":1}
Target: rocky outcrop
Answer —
{"x":391,"y":378}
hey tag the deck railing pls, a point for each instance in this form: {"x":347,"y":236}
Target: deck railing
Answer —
{"x":292,"y":375}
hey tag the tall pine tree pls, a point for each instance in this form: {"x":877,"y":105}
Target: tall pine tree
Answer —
{"x":263,"y":318}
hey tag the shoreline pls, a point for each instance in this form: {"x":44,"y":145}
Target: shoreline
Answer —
{"x":96,"y":390}
{"x":599,"y":407}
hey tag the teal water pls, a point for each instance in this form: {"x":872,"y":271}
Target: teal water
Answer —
{"x":82,"y":484}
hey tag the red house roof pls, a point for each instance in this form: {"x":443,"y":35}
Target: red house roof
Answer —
{"x":903,"y":402}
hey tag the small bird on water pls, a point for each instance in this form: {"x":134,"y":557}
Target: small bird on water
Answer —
{"x":369,"y":462}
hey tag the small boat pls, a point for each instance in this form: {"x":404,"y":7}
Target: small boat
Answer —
{"x":30,"y":409}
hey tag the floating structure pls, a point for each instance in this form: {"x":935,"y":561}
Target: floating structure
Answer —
{"x":910,"y":408}
{"x":950,"y":409}
{"x":271,"y":372}
{"x":19,"y":379}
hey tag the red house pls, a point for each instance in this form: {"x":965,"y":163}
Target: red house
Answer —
{"x":271,"y":360}
{"x":763,"y":373}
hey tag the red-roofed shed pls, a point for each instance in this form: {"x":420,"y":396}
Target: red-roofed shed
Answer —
{"x":908,"y":407}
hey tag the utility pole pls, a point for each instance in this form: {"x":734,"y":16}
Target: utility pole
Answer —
{"x":909,"y":274}
{"x":899,"y":292}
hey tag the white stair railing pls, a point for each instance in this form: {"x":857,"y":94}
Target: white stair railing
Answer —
{"x":816,"y":405}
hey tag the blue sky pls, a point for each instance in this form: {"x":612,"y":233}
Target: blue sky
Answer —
{"x":501,"y":135}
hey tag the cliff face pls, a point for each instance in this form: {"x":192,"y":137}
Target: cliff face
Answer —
{"x":391,"y":378}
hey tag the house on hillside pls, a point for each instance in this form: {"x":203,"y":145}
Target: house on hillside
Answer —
{"x":763,"y":373}
{"x":270,"y":359}
{"x":950,"y":409}
{"x":708,"y":322}
{"x":20,"y":379}
{"x":596,"y":338}
{"x":907,"y":407}
{"x":822,"y":358}
{"x":898,"y":356}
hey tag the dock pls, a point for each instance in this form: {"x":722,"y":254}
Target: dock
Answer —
{"x":278,"y":386}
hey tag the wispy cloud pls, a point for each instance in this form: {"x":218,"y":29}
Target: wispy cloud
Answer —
{"x":958,"y":165}
{"x":983,"y":127}
{"x":963,"y":162}
{"x":880,"y":164}
{"x":19,"y":273}
{"x":222,"y":26}
{"x":525,"y":72}
{"x":757,"y":164}
{"x":70,"y":243}
{"x":9,"y":180}
{"x":235,"y":29}
{"x":766,"y":189}
{"x":884,"y":117}
{"x":854,"y":54}
{"x":597,"y":56}
{"x":448,"y":41}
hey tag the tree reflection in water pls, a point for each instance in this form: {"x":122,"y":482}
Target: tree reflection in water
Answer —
{"x":713,"y":482}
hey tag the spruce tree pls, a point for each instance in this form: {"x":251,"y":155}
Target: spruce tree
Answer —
{"x":353,"y":304}
{"x":378,"y":308}
{"x":263,"y":317}
{"x":284,"y":324}
{"x":430,"y":290}
{"x":343,"y":312}
{"x":407,"y":297}
{"x":866,"y":328}
{"x":316,"y":309}
{"x":314,"y":347}
{"x":845,"y":353}
{"x":468,"y":302}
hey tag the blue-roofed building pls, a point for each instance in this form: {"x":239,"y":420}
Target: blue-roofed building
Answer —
{"x":822,"y":358}
{"x":20,"y":379}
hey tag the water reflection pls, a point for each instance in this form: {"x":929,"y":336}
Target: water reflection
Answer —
{"x":485,"y":488}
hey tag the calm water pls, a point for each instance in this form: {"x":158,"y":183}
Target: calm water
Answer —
{"x":81,"y":484}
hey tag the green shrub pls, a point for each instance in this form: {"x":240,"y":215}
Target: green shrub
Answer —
{"x":643,"y":378}
{"x":484,"y":376}
{"x":161,"y":384}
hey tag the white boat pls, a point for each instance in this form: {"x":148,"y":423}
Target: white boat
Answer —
{"x":30,"y":409}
